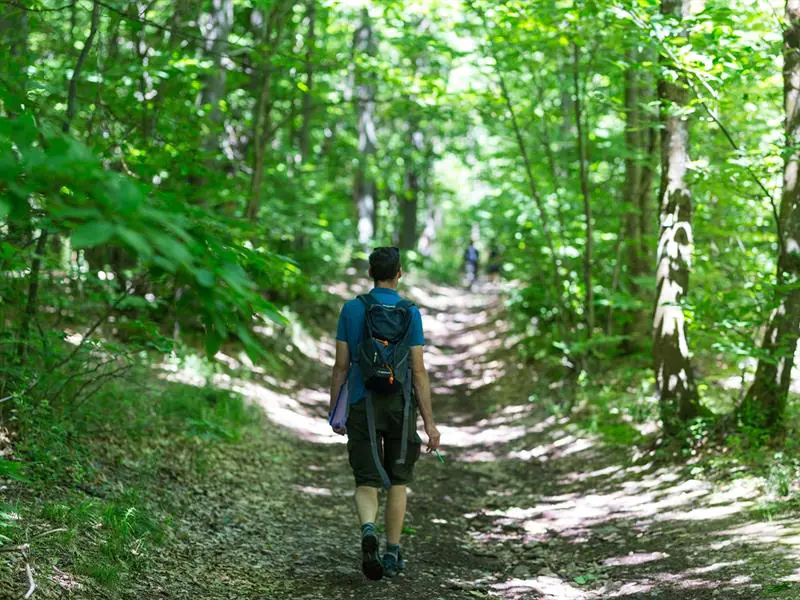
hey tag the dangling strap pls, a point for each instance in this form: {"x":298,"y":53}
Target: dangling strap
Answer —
{"x":373,"y":442}
{"x":406,"y":411}
{"x":405,"y":385}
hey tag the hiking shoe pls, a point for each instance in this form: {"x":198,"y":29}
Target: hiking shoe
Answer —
{"x":371,"y":564}
{"x":393,"y":564}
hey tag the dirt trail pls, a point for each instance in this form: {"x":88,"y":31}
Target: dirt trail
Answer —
{"x":526,"y":506}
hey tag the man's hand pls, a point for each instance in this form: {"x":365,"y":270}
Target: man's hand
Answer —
{"x":433,"y":437}
{"x":340,"y":430}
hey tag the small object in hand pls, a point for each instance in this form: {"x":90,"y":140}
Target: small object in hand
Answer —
{"x":439,"y":456}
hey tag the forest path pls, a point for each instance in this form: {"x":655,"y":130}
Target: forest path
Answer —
{"x":526,"y":505}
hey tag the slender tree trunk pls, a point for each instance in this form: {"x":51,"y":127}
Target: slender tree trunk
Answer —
{"x":633,"y":169}
{"x":364,"y":188}
{"x":675,"y":384}
{"x":649,"y":139}
{"x":534,"y":190}
{"x":262,"y":121}
{"x":305,"y":127}
{"x":765,"y":403}
{"x":616,"y":276}
{"x":433,"y":223}
{"x":216,"y":33}
{"x":72,"y":98}
{"x":587,"y":201}
{"x":408,"y":209}
{"x":146,"y":87}
{"x":261,"y":129}
{"x":639,"y":147}
{"x":169,"y":43}
{"x":14,"y":37}
{"x":546,"y":229}
{"x":215,"y":29}
{"x":557,"y":172}
{"x":32,"y":302}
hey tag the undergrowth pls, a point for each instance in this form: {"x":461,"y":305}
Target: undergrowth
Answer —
{"x":81,"y":483}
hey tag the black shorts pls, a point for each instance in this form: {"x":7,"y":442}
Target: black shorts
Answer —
{"x":389,"y":436}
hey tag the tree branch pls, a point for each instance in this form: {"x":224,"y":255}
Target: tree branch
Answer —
{"x":534,"y":191}
{"x":93,"y":328}
{"x":22,"y":549}
{"x":749,"y":169}
{"x":76,"y":73}
{"x":37,"y":10}
{"x":31,"y":582}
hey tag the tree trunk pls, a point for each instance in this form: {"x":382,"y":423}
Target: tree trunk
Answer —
{"x":305,"y":127}
{"x":32,"y":302}
{"x":72,"y":98}
{"x":639,"y":148}
{"x":633,"y":169}
{"x":675,"y":385}
{"x":433,"y":222}
{"x":364,"y":189}
{"x":262,"y":120}
{"x":215,"y":30}
{"x":261,"y":128}
{"x":216,"y":33}
{"x":563,"y":315}
{"x":14,"y":36}
{"x":587,"y":201}
{"x":765,"y":403}
{"x":408,"y":209}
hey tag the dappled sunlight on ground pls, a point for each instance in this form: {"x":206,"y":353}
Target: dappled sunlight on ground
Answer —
{"x":301,"y":411}
{"x":527,"y":504}
{"x":546,"y":588}
{"x":301,"y":406}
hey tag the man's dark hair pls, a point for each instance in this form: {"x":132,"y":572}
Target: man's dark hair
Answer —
{"x":384,"y":263}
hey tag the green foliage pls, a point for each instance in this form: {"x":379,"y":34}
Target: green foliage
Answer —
{"x":68,"y":457}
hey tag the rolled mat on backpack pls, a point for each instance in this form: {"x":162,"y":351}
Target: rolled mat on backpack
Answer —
{"x":338,"y":417}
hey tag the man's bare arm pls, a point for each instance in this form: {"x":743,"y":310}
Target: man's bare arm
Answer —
{"x":422,"y":386}
{"x":340,"y":368}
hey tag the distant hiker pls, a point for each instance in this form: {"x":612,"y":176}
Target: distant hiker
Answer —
{"x":471,"y":258}
{"x":493,"y":266}
{"x":379,"y":380}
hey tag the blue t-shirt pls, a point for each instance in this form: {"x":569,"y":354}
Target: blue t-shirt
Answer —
{"x":351,"y":330}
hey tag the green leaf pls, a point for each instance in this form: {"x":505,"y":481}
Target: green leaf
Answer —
{"x":92,"y":234}
{"x":213,"y":342}
{"x":171,"y":249}
{"x":252,"y":346}
{"x":205,"y":278}
{"x":136,"y":241}
{"x":5,"y":208}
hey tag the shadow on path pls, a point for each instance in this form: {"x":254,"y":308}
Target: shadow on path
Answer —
{"x":526,"y":506}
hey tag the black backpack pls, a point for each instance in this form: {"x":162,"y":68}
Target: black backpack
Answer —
{"x":383,"y":354}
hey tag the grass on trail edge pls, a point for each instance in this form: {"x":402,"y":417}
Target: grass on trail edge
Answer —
{"x":104,"y":492}
{"x":86,"y":489}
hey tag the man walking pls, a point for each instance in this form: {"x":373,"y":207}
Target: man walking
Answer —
{"x":471,"y":259}
{"x":380,"y":372}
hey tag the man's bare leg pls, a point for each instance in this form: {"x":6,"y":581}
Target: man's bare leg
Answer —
{"x":395,"y":513}
{"x":367,"y":506}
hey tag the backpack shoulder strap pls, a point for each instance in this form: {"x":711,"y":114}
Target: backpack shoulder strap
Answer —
{"x":405,"y":304}
{"x":368,"y":300}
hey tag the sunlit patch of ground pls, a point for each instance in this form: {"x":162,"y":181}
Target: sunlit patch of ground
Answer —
{"x":527,"y":505}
